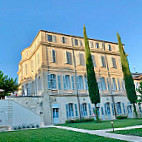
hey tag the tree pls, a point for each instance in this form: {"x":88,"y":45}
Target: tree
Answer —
{"x":129,"y":82}
{"x":139,"y":90}
{"x":9,"y":85}
{"x":91,"y":77}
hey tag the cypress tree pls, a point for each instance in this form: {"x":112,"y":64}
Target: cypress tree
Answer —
{"x":129,"y":82}
{"x":91,"y":77}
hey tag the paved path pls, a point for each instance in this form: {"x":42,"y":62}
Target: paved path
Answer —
{"x":105,"y":133}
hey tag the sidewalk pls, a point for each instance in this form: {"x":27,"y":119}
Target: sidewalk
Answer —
{"x":105,"y":133}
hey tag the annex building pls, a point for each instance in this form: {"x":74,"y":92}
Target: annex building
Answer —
{"x":52,"y":74}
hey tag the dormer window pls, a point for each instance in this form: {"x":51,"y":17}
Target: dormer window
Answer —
{"x":109,"y":47}
{"x":97,"y":45}
{"x":76,"y":42}
{"x":51,"y":38}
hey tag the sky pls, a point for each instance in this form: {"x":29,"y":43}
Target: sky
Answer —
{"x":20,"y":21}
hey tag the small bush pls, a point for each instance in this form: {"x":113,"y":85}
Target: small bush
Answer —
{"x":15,"y":128}
{"x":121,"y":117}
{"x":37,"y":126}
{"x":19,"y":127}
{"x":80,"y":120}
{"x":28,"y":126}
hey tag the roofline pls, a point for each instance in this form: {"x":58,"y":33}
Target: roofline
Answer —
{"x":79,"y":37}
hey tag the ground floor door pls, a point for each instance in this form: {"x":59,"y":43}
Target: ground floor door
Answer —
{"x":130,"y":112}
{"x":56,"y":115}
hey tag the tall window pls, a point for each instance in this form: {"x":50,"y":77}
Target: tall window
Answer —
{"x":84,"y":109}
{"x":76,"y":110}
{"x":80,"y":83}
{"x":66,"y":81}
{"x":52,"y":81}
{"x":89,"y":106}
{"x":76,"y":42}
{"x":118,"y":106}
{"x":51,"y":38}
{"x":53,"y":56}
{"x":103,"y":83}
{"x":103,"y":46}
{"x":81,"y":58}
{"x":69,"y":58}
{"x":108,"y":84}
{"x":97,"y":45}
{"x":103,"y":61}
{"x":123,"y":84}
{"x":114,"y":87}
{"x":64,"y":39}
{"x":71,"y":113}
{"x":109,"y":47}
{"x":80,"y":42}
{"x":94,"y":61}
{"x":91,"y":44}
{"x":114,"y":63}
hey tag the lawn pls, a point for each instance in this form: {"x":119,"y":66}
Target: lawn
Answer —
{"x":135,"y":132}
{"x":105,"y":124}
{"x":50,"y":135}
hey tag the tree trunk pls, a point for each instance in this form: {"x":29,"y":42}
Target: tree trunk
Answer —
{"x":96,"y":113}
{"x":135,"y":111}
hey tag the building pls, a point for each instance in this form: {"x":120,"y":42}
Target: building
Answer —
{"x":53,"y":68}
{"x":137,"y":77}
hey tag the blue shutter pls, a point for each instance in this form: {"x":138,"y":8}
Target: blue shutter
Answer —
{"x":112,"y":106}
{"x":105,"y":109}
{"x":72,"y":79}
{"x":64,"y":82}
{"x":76,"y":110}
{"x":89,"y":106}
{"x":59,"y":82}
{"x":49,"y":83}
{"x":67,"y":111}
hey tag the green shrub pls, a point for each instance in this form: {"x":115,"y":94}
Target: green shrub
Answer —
{"x":80,"y":120}
{"x":121,"y":117}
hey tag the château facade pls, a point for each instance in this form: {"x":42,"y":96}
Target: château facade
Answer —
{"x":53,"y":66}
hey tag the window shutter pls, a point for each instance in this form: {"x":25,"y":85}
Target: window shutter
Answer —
{"x":64,"y":82}
{"x":49,"y":83}
{"x":105,"y":109}
{"x":67,"y":111}
{"x":76,"y":110}
{"x":81,"y":110}
{"x":61,"y":39}
{"x":65,"y":57}
{"x":72,"y":41}
{"x":110,"y":61}
{"x":120,"y":66}
{"x":78,"y":58}
{"x":50,"y":56}
{"x":54,"y":38}
{"x":100,"y":61}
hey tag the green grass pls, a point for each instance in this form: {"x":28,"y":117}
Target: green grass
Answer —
{"x":51,"y":135}
{"x":105,"y":124}
{"x":135,"y":132}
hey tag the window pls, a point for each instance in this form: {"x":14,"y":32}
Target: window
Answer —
{"x":86,"y":84}
{"x":59,"y":82}
{"x":72,"y":80}
{"x":84,"y":109}
{"x":114,"y":84}
{"x":94,"y":61}
{"x":109,"y":47}
{"x":52,"y":56}
{"x":89,"y":106}
{"x":55,"y":112}
{"x":76,"y":42}
{"x":103,"y":84}
{"x":81,"y":58}
{"x":91,"y":44}
{"x":52,"y":81}
{"x":118,"y":106}
{"x":63,"y":39}
{"x":97,"y":45}
{"x":118,"y":84}
{"x":76,"y":110}
{"x":103,"y":46}
{"x":51,"y":38}
{"x":112,"y":106}
{"x":114,"y":63}
{"x":80,"y":83}
{"x":108,"y":84}
{"x":70,"y":107}
{"x":103,"y":61}
{"x":69,"y":58}
{"x":66,"y":81}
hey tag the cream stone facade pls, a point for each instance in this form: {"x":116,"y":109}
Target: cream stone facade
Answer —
{"x":53,"y":67}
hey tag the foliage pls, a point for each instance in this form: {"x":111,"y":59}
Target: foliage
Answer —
{"x":129,"y":82}
{"x":9,"y":85}
{"x":139,"y":90}
{"x":80,"y":120}
{"x":121,"y":117}
{"x":91,"y":77}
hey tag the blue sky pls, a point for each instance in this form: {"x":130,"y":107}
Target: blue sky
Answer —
{"x":20,"y":21}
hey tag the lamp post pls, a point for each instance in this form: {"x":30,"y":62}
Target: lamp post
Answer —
{"x":112,"y":125}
